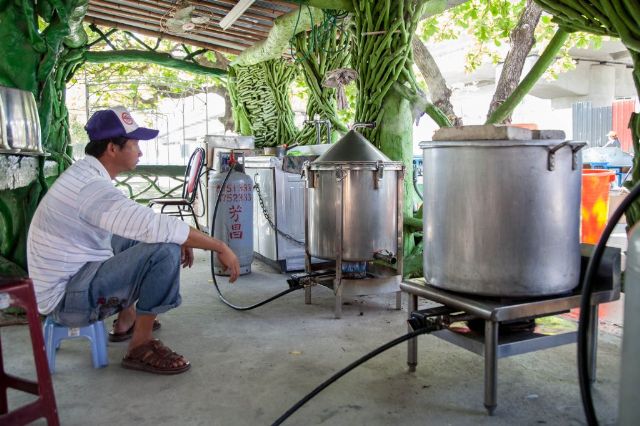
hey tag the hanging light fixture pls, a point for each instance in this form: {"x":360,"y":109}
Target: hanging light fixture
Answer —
{"x":235,"y":13}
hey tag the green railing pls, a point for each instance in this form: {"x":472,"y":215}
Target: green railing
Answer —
{"x":152,"y":181}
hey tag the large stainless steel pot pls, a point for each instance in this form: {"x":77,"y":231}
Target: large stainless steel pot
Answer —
{"x":501,"y":218}
{"x":356,"y":191}
{"x":20,"y":122}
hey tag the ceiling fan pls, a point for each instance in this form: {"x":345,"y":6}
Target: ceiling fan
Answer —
{"x":180,"y":19}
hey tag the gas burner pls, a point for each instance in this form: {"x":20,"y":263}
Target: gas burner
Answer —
{"x":506,"y":328}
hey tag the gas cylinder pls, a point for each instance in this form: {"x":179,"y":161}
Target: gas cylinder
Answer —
{"x":234,"y":218}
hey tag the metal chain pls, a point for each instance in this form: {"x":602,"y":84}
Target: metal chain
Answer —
{"x":266,"y":216}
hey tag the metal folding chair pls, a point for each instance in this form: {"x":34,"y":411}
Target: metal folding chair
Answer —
{"x":183,"y":206}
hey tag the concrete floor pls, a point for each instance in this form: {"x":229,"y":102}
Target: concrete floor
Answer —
{"x":250,"y":367}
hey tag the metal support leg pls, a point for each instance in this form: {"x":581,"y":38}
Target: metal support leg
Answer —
{"x":592,"y":338}
{"x":337,"y":310}
{"x":490,"y":366}
{"x":307,"y":295}
{"x":412,"y":348}
{"x":398,"y":300}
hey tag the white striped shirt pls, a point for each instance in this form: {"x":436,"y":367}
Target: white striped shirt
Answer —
{"x":75,"y":221}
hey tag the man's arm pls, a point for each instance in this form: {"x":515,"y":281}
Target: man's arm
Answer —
{"x":198,"y":239}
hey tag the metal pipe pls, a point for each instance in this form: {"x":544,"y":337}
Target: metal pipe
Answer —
{"x":368,"y":125}
{"x":491,"y":366}
{"x":317,"y":123}
{"x":385,"y":256}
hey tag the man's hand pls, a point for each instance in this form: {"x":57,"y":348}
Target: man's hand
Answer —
{"x":198,"y":239}
{"x":230,"y":262}
{"x":186,"y":258}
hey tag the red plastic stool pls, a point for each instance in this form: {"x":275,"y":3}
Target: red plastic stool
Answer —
{"x":20,"y":290}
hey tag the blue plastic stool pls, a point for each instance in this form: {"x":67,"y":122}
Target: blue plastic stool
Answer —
{"x":54,"y":333}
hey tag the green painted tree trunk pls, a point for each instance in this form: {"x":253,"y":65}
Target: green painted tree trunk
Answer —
{"x":29,"y":60}
{"x":396,"y":141}
{"x":382,"y":56}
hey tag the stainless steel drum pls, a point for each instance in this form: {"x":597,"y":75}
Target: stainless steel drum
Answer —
{"x":501,"y":217}
{"x":353,"y":189}
{"x":20,"y":122}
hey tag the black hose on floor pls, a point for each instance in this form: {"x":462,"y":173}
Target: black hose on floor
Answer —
{"x":415,"y":183}
{"x":585,"y":304}
{"x":348,"y":368}
{"x":215,"y":282}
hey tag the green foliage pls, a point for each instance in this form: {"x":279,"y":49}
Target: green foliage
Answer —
{"x":299,"y":90}
{"x":489,"y":23}
{"x":318,"y":52}
{"x":260,"y":99}
{"x":141,"y":85}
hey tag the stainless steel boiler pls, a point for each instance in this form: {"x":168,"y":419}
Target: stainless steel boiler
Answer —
{"x":501,"y":211}
{"x":353,"y":216}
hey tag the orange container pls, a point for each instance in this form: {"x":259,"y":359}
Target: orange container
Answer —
{"x":594,"y":208}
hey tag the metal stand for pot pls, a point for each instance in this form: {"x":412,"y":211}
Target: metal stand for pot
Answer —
{"x":494,"y":312}
{"x":381,"y":279}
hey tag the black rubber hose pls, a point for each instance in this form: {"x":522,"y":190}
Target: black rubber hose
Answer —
{"x":415,"y":183}
{"x":213,"y":274}
{"x":348,"y":368}
{"x":585,"y":304}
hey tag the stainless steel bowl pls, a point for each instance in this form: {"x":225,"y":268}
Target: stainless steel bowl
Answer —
{"x":4,"y":144}
{"x":20,"y":123}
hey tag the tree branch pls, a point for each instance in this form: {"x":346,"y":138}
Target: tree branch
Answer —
{"x":163,"y":59}
{"x":543,"y":63}
{"x":440,"y":93}
{"x":521,"y":41}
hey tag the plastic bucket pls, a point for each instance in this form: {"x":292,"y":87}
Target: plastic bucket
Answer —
{"x":594,"y":206}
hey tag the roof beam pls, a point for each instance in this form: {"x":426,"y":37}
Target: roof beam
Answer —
{"x":152,"y":17}
{"x":152,"y":32}
{"x":126,"y":6}
{"x":249,"y":18}
{"x":253,"y":7}
{"x":135,"y":21}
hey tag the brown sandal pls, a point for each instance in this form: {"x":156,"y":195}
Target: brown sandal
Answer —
{"x":154,"y":357}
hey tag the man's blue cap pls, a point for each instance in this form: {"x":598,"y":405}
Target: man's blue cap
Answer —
{"x":116,"y":122}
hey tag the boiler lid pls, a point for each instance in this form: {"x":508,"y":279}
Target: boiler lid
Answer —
{"x":353,"y":147}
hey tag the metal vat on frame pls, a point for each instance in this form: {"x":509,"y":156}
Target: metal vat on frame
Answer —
{"x":502,"y":217}
{"x":357,"y":182}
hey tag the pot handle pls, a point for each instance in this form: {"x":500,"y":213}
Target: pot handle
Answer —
{"x":575,"y":147}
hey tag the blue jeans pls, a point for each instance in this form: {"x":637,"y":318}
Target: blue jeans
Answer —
{"x":148,"y":274}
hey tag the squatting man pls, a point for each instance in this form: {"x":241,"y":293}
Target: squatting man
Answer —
{"x":92,"y":252}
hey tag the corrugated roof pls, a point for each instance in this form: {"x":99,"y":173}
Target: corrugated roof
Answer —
{"x":149,"y":17}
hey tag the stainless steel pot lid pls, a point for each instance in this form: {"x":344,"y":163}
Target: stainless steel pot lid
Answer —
{"x":353,"y":147}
